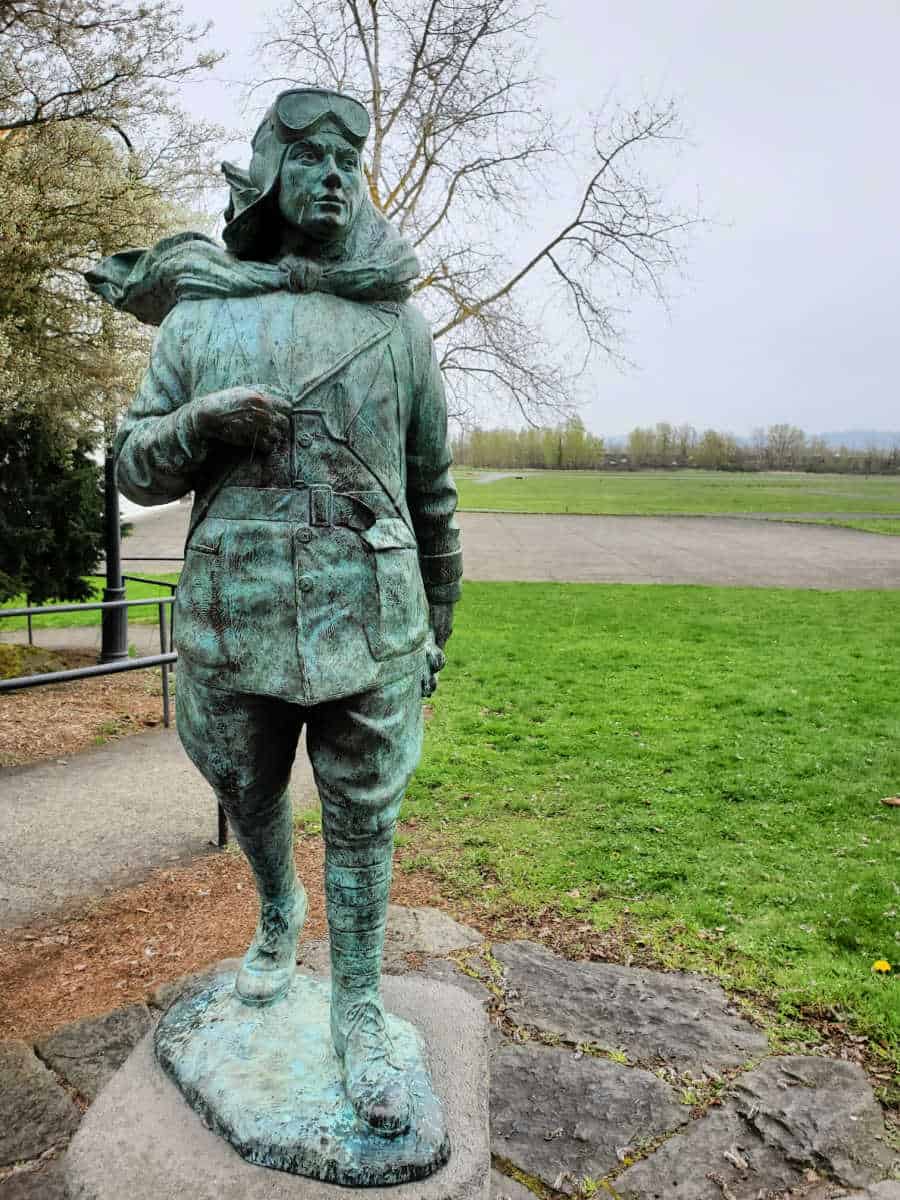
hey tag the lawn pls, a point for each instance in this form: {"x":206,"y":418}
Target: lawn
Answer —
{"x":659,"y":492}
{"x":710,"y":760}
{"x":145,"y":614}
{"x":885,"y":525}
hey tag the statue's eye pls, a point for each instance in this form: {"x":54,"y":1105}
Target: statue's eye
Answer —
{"x":306,"y":153}
{"x":348,"y":162}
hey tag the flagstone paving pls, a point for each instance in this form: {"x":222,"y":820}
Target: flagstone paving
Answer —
{"x":568,"y":1118}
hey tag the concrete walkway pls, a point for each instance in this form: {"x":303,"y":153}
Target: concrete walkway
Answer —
{"x":103,"y":819}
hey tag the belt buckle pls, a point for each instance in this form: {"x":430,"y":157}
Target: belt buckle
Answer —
{"x":321,"y":504}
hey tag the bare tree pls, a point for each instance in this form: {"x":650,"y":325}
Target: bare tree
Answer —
{"x":461,"y":151}
{"x":784,"y":446}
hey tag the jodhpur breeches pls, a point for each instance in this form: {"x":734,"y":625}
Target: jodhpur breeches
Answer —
{"x":363,"y":751}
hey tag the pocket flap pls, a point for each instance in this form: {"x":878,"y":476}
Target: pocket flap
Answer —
{"x":389,"y":534}
{"x":207,"y":537}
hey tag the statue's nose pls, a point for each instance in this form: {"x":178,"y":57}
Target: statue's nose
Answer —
{"x":332,"y":180}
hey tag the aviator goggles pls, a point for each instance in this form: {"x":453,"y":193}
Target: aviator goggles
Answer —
{"x":295,"y":111}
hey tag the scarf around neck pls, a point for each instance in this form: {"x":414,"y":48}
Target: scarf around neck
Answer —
{"x":189,"y":266}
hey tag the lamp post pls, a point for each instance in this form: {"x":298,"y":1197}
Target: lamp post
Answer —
{"x":114,"y":640}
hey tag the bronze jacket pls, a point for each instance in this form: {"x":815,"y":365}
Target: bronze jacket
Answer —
{"x":308,"y":571}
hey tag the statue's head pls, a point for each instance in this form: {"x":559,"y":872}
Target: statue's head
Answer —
{"x":305,"y":174}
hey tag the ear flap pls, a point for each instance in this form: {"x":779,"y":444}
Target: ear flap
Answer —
{"x":243,"y":191}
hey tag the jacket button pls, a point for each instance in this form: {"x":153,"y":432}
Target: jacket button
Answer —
{"x":305,"y":583}
{"x":305,"y":535}
{"x":305,"y":440}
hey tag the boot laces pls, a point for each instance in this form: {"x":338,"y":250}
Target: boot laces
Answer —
{"x":273,"y":926}
{"x":366,"y":1025}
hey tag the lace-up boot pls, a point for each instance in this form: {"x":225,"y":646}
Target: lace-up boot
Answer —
{"x":265,"y":832}
{"x":269,"y":965}
{"x":356,"y":893}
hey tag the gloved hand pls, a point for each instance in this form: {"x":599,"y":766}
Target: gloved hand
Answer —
{"x":441,"y":627}
{"x":243,"y":416}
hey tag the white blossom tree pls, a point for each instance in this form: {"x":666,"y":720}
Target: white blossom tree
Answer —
{"x":96,"y":155}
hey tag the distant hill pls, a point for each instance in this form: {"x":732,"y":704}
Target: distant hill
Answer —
{"x":862,"y":439}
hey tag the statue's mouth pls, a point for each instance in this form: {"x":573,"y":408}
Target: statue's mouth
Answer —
{"x":331,"y":203}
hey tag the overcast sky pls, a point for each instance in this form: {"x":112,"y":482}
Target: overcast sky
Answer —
{"x":789,"y":308}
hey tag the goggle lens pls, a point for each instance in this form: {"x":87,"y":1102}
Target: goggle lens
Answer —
{"x":296,"y":111}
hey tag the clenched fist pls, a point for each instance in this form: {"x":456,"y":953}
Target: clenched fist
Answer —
{"x":243,"y":416}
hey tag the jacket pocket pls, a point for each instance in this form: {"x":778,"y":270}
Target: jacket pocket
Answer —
{"x":399,"y":621}
{"x":207,"y":537}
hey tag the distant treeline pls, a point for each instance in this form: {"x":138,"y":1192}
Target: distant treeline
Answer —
{"x":569,"y":446}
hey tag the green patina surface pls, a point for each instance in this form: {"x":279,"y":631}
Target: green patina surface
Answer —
{"x":294,"y":390}
{"x":268,"y":1080}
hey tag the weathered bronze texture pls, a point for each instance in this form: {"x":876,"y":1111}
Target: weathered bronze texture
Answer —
{"x":295,"y":390}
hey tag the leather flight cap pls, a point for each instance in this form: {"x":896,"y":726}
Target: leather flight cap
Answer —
{"x":299,"y":110}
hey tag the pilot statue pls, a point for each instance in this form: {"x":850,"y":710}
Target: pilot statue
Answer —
{"x":294,"y":389}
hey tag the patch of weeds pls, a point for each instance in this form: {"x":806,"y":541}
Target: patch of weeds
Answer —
{"x":415,"y":862}
{"x":471,"y":962}
{"x":107,"y":730}
{"x":531,"y":1182}
{"x":308,"y":822}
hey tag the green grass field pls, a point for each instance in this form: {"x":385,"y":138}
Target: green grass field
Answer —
{"x":711,"y":760}
{"x":884,"y":525}
{"x":146,"y":614}
{"x":660,"y":492}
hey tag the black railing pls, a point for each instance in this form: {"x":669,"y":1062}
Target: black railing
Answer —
{"x":166,"y":658}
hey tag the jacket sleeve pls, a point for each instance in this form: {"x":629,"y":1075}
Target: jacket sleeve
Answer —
{"x":430,"y":491}
{"x":158,"y":448}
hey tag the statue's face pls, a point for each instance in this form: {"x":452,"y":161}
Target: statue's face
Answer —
{"x":321,"y":185}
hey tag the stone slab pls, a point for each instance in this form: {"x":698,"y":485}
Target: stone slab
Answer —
{"x":888,"y":1189}
{"x":445,"y":970}
{"x":268,"y":1080}
{"x":141,"y":1140}
{"x":561,"y":1118}
{"x":48,"y":1183}
{"x":35,"y":1112}
{"x":790,"y":1114}
{"x":682,"y":1020}
{"x":426,"y":931}
{"x":88,"y":1053}
{"x":504,"y":1188}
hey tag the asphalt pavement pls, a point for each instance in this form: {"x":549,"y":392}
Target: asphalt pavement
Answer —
{"x":81,"y":826}
{"x":728,"y":551}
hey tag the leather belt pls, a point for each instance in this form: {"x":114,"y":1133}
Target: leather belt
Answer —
{"x":309,"y":504}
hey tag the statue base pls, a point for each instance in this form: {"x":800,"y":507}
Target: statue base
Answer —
{"x":276,"y":1093}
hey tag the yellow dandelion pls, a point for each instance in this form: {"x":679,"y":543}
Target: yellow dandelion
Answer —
{"x":882,"y":966}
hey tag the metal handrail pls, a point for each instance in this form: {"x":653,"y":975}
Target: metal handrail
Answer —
{"x":38,"y":609}
{"x":129,"y":664}
{"x":166,"y":658}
